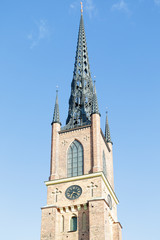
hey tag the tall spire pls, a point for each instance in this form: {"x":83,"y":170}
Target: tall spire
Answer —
{"x":95,"y":108}
{"x":107,"y":131}
{"x":81,"y":98}
{"x":56,"y":118}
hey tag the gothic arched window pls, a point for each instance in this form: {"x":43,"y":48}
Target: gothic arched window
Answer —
{"x":73,"y":224}
{"x":104,"y":165}
{"x":75,"y":160}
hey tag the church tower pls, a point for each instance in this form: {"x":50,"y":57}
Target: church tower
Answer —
{"x":81,"y":202}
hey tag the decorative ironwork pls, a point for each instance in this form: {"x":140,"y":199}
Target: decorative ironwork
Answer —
{"x":81,"y":99}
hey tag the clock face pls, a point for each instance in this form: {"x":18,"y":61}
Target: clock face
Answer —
{"x":109,"y":201}
{"x":73,"y":192}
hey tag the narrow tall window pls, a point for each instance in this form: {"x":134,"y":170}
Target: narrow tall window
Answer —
{"x":83,"y":222}
{"x":73,"y":224}
{"x":75,"y":160}
{"x":62,"y":223}
{"x":104,"y":165}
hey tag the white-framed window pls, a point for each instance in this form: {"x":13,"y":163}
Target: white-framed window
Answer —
{"x":73,"y":224}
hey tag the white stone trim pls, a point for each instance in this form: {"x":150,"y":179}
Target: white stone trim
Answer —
{"x":73,"y":209}
{"x":79,"y":207}
{"x":49,"y":206}
{"x":87,"y":176}
{"x":67,"y":209}
{"x":61,"y":210}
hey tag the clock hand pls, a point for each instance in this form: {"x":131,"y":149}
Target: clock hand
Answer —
{"x":73,"y":193}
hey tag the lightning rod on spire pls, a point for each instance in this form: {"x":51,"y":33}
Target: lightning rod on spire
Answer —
{"x":81,"y":7}
{"x":57,"y":88}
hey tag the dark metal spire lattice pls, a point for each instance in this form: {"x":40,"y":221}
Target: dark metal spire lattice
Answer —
{"x":80,"y":102}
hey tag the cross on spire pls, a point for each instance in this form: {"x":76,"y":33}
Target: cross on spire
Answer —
{"x":91,"y":187}
{"x":56,"y":193}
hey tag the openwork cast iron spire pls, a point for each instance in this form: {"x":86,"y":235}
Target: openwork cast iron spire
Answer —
{"x":56,"y":118}
{"x":107,"y":131}
{"x":80,"y":102}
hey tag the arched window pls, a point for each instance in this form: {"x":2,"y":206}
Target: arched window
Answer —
{"x":83,"y":222}
{"x":104,"y":165}
{"x":62,"y":223}
{"x":73,"y":224}
{"x":75,"y":160}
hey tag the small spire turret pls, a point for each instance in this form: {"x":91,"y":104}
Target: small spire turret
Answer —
{"x":56,"y":118}
{"x":107,"y":131}
{"x":95,"y":108}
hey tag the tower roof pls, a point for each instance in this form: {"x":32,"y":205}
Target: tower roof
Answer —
{"x":95,"y":108}
{"x":56,"y":118}
{"x":107,"y":131}
{"x":81,"y":98}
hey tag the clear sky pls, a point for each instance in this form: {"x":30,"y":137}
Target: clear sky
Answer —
{"x":37,"y":51}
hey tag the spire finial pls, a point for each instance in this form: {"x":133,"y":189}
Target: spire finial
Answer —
{"x":81,"y":7}
{"x":57,"y":89}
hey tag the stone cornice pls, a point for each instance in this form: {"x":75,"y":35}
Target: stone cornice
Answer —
{"x":118,"y":224}
{"x":49,"y":206}
{"x":87,"y":176}
{"x":99,"y":199}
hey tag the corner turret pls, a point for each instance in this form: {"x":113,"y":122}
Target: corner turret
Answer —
{"x":107,"y":131}
{"x":56,"y":118}
{"x":56,"y":127}
{"x":95,"y":108}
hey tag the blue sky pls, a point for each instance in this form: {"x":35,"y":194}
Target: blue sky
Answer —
{"x":37,"y":51}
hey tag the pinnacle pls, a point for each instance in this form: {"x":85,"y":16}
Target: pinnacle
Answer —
{"x":56,"y":118}
{"x":95,"y":108}
{"x":107,"y":131}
